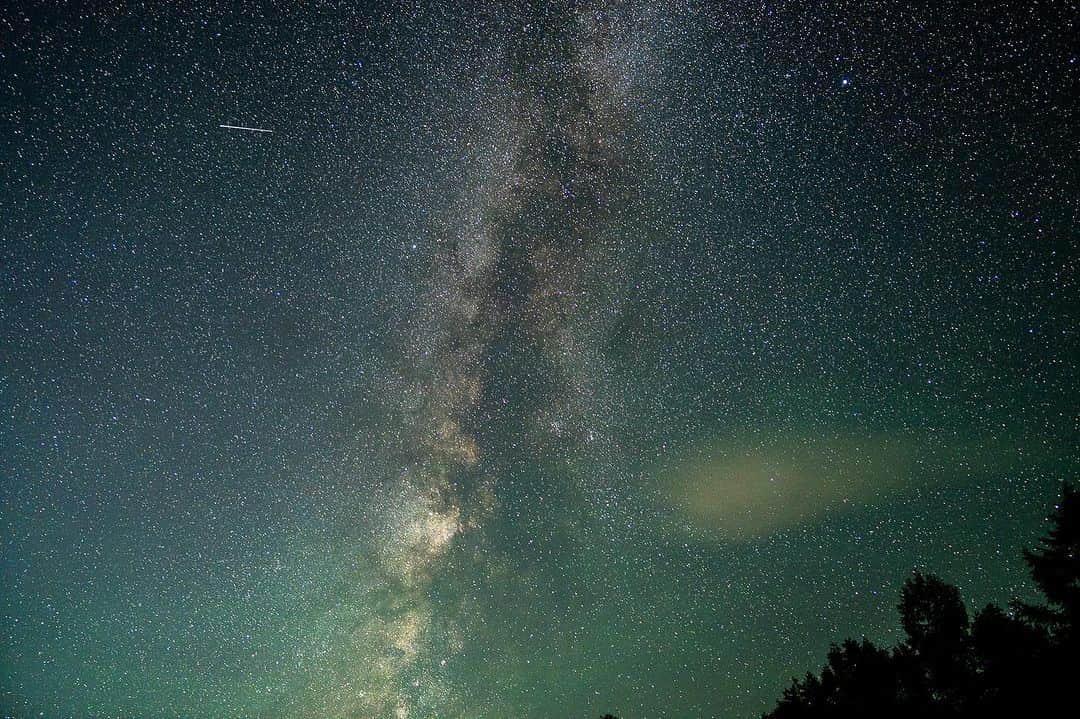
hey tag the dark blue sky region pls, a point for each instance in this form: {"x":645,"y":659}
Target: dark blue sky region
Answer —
{"x":544,"y":359}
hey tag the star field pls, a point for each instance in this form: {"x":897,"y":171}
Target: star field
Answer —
{"x":546,"y":358}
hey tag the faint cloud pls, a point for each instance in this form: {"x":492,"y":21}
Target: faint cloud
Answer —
{"x":740,"y":488}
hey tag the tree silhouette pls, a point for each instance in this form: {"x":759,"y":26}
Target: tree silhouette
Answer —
{"x":1000,"y":664}
{"x":857,"y":681}
{"x":1012,"y":656}
{"x":933,"y":660}
{"x":1055,"y":567}
{"x":933,"y":615}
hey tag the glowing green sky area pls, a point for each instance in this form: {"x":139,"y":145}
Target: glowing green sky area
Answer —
{"x":543,"y":360}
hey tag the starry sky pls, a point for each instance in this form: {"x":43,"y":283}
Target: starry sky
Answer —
{"x":544,"y":359}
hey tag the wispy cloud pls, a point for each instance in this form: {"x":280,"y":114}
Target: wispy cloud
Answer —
{"x":740,"y":488}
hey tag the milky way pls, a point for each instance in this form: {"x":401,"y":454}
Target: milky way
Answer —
{"x":506,"y":314}
{"x":531,"y":359}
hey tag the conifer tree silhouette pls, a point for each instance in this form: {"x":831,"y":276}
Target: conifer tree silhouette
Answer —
{"x":1055,"y":567}
{"x":1014,"y":663}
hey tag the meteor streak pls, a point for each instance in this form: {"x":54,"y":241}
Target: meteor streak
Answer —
{"x":249,"y":129}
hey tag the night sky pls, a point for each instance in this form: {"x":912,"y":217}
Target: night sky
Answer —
{"x":545,"y":359}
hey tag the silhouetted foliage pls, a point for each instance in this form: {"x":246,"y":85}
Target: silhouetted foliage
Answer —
{"x":857,"y":681}
{"x":936,"y":667}
{"x":1055,"y":567}
{"x":1000,"y":664}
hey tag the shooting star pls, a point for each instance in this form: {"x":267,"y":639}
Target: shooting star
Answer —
{"x":240,"y":127}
